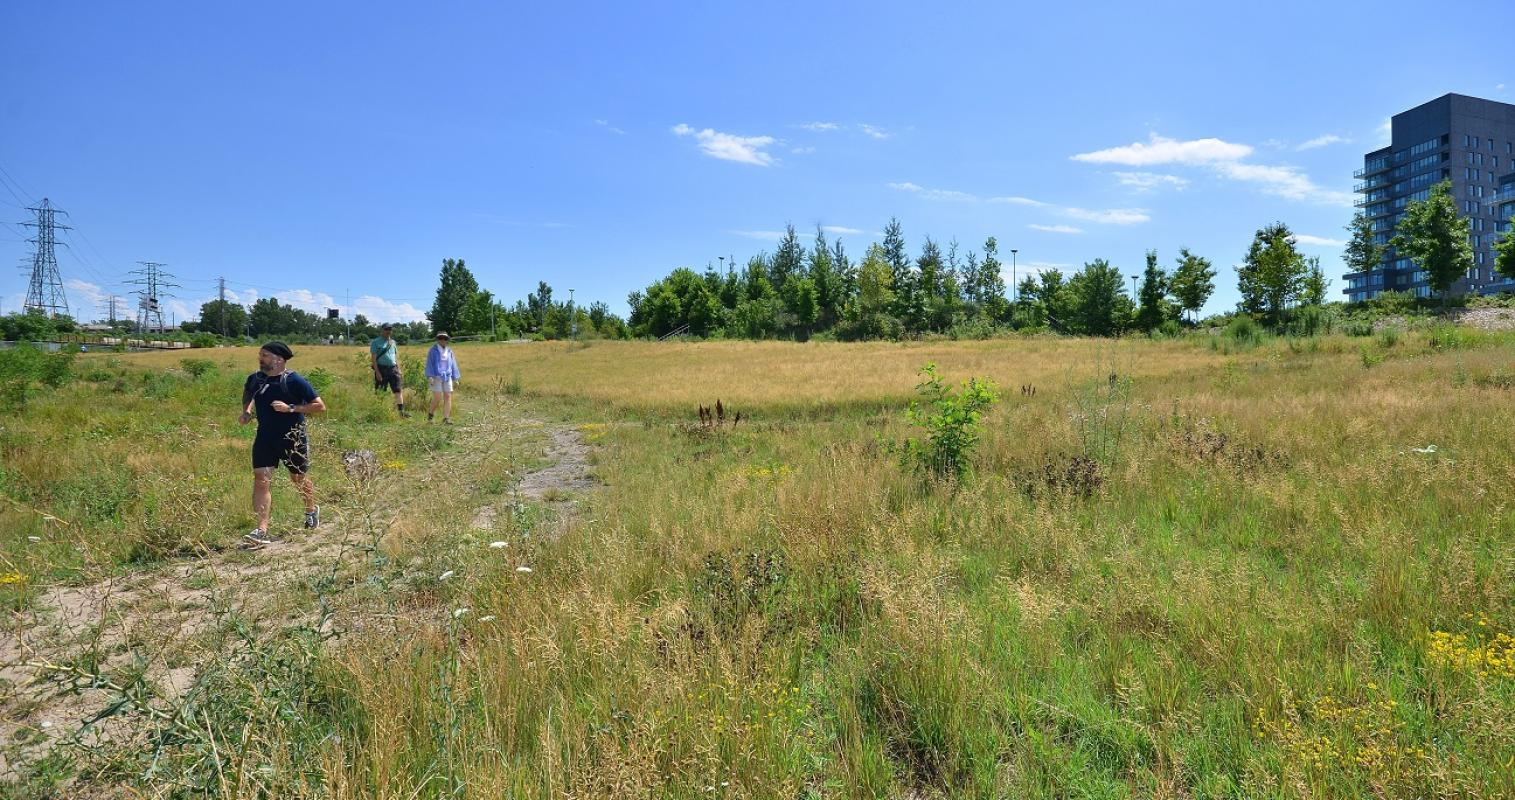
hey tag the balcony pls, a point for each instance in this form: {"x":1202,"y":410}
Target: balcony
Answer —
{"x":1379,"y":165}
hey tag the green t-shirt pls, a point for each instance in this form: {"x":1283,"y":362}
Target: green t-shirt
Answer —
{"x":383,"y":351}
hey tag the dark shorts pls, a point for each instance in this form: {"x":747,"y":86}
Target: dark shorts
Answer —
{"x":388,"y":376}
{"x":292,"y":450}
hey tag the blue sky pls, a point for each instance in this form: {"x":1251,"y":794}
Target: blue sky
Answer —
{"x":311,"y":150}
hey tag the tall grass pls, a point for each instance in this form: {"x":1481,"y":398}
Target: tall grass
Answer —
{"x":1250,"y":602}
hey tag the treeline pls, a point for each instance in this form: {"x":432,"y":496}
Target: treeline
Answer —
{"x":462,"y":308}
{"x":803,"y":291}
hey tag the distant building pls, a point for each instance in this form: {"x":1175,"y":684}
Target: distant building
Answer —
{"x":1466,"y":140}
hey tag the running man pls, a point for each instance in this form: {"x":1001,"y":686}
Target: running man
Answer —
{"x":386,"y":368}
{"x":282,"y":399}
{"x":442,"y":374}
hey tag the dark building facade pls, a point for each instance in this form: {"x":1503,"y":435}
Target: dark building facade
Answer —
{"x":1466,"y":140}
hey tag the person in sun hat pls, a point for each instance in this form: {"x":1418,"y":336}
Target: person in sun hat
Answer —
{"x":442,"y":374}
{"x":382,"y":354}
{"x":279,"y":398}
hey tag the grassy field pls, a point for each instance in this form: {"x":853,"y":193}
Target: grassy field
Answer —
{"x":1180,"y":569}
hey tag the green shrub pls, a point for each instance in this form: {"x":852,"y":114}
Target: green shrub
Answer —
{"x":1244,"y":331}
{"x":1311,"y":321}
{"x":198,"y":367}
{"x":1391,"y":303}
{"x":1170,"y":329}
{"x":951,"y":423}
{"x":321,"y":379}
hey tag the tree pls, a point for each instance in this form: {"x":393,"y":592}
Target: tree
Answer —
{"x":539,"y":304}
{"x":1362,"y":252}
{"x":789,"y":260}
{"x":223,"y":317}
{"x":1193,"y":282}
{"x":1271,"y":277}
{"x":870,"y":309}
{"x":829,"y":288}
{"x":1435,"y":237}
{"x":477,"y":316}
{"x":1153,"y":296}
{"x":902,"y":279}
{"x":803,"y":301}
{"x":1100,"y":304}
{"x":984,"y":283}
{"x":1313,"y":289}
{"x":458,"y":286}
{"x":1504,"y":251}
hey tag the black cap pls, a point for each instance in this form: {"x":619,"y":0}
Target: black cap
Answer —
{"x":388,"y":326}
{"x":280,"y":349}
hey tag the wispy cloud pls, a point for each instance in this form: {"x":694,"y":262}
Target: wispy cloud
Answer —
{"x":730,"y":147}
{"x":873,"y":131}
{"x":607,"y":126}
{"x":1113,"y":216}
{"x":1225,"y":159}
{"x":1284,"y":181}
{"x":1162,"y":150}
{"x":821,"y":127}
{"x":933,"y":194}
{"x":1110,"y":216}
{"x":802,"y":151}
{"x":1055,"y":228}
{"x":1147,"y":181}
{"x":1016,"y":201}
{"x":767,"y":236}
{"x":1385,"y":132}
{"x":1318,"y":241}
{"x":1322,"y":141}
{"x":839,"y":230}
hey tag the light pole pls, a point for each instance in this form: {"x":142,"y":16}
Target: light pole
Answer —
{"x":573,"y":318}
{"x":1015,"y":290}
{"x":1133,"y":286}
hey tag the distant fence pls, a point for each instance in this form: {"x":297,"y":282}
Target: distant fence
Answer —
{"x":59,"y":341}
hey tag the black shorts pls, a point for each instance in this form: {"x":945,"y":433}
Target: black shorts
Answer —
{"x":388,"y":376}
{"x":292,"y":450}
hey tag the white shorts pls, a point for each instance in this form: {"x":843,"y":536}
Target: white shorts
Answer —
{"x":442,"y":385}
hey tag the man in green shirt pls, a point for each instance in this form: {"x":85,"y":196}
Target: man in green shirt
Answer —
{"x":386,"y":368}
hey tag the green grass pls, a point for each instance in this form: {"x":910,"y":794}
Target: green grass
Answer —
{"x":1242,"y":604}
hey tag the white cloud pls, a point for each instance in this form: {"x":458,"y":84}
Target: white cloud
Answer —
{"x":1385,"y":132}
{"x":89,"y":300}
{"x":1284,"y":181}
{"x":1225,"y":158}
{"x":933,"y":194}
{"x":607,"y":126}
{"x":1055,"y":228}
{"x":1322,"y":141}
{"x":1318,"y":241}
{"x":873,"y":130}
{"x":1016,"y":201}
{"x":730,"y":147}
{"x":1111,"y":216}
{"x":1276,"y":144}
{"x":837,"y":229}
{"x":803,"y":151}
{"x":821,"y":127}
{"x":1147,"y":181}
{"x":1162,"y":150}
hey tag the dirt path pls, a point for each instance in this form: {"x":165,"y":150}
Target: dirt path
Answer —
{"x":170,"y":619}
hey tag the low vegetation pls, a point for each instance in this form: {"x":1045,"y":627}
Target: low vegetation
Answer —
{"x":1258,"y":567}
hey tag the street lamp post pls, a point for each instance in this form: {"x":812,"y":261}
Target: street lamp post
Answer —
{"x":573,"y":318}
{"x":1015,"y":291}
{"x":1133,"y":286}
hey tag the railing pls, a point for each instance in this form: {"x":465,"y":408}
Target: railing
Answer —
{"x":679,"y":331}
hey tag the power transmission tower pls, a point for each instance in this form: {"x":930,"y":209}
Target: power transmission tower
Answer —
{"x":44,"y":293}
{"x":110,"y":305}
{"x":150,"y":297}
